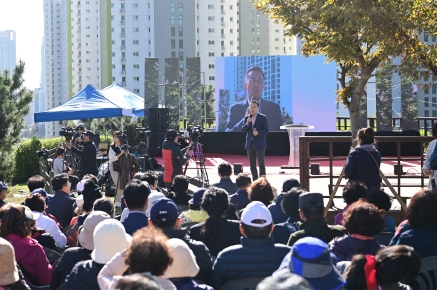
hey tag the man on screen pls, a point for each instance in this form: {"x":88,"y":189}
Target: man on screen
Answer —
{"x":254,"y":85}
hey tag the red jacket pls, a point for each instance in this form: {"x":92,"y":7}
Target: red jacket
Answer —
{"x":30,"y":254}
{"x":173,"y":160}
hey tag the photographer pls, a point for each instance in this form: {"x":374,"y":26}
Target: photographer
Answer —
{"x":88,"y":154}
{"x":115,"y":152}
{"x":173,"y":157}
{"x":78,"y":136}
{"x":59,"y":166}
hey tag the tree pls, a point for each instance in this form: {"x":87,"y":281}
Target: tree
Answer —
{"x":14,"y":106}
{"x":359,"y":36}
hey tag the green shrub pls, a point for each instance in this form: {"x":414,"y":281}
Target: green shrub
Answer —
{"x":26,"y":160}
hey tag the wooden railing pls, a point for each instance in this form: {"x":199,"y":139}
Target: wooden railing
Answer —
{"x":46,"y":174}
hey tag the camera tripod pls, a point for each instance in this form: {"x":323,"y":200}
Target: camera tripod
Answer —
{"x":198,"y":157}
{"x":141,"y":153}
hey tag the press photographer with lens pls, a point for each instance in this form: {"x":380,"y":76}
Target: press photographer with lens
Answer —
{"x":88,"y":154}
{"x":174,"y":157}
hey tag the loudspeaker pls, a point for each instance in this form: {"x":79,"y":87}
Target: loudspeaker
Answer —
{"x":96,"y":139}
{"x":238,"y":168}
{"x":315,"y":169}
{"x":398,"y":169}
{"x":159,"y":119}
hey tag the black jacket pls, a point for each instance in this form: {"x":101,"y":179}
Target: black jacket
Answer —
{"x":227,"y":184}
{"x":69,"y":258}
{"x":363,"y":165}
{"x":83,"y":276}
{"x":180,"y":198}
{"x":88,"y":161}
{"x":228,"y":235}
{"x":282,"y":231}
{"x":199,"y":249}
{"x":253,"y":258}
{"x":135,"y":221}
{"x":61,"y":207}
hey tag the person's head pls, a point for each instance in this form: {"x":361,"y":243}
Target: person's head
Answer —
{"x":216,"y":204}
{"x":256,"y":221}
{"x":35,"y":182}
{"x":8,"y":267}
{"x":290,"y":202}
{"x":180,"y":183}
{"x":353,"y":191}
{"x":60,"y":183}
{"x":90,"y":177}
{"x":86,"y":238}
{"x":60,"y":152}
{"x":91,"y":192}
{"x":135,"y":195}
{"x":104,"y":204}
{"x":422,"y":209}
{"x":109,"y":238}
{"x":151,"y":199}
{"x":35,"y":202}
{"x":164,"y":214}
{"x":116,"y":137}
{"x":254,"y":82}
{"x":363,"y":218}
{"x":80,"y":128}
{"x":391,"y":265}
{"x":254,"y":107}
{"x":365,"y":136}
{"x":311,"y":205}
{"x":139,"y":281}
{"x":434,"y":130}
{"x":171,"y":135}
{"x":381,"y":199}
{"x":290,"y":183}
{"x":3,"y":190}
{"x":15,"y":219}
{"x":184,"y":262}
{"x":150,"y":178}
{"x":87,"y":135}
{"x":261,"y":190}
{"x":148,"y":252}
{"x":243,"y":181}
{"x":194,"y":203}
{"x":225,"y":169}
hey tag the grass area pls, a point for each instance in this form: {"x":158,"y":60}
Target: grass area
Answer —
{"x":17,"y":193}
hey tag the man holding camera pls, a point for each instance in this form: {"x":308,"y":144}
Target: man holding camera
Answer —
{"x":78,"y":136}
{"x":88,"y":154}
{"x":173,"y":157}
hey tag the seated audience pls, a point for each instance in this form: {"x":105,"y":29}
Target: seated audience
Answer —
{"x":279,"y":216}
{"x":352,"y":192}
{"x":225,"y":173}
{"x":152,"y":179}
{"x":91,"y":192}
{"x":45,"y":239}
{"x":383,"y":201}
{"x":35,"y":182}
{"x":257,"y":256}
{"x":11,"y":277}
{"x":290,"y":281}
{"x":290,"y":206}
{"x":362,"y":220}
{"x":43,"y":193}
{"x":3,"y":190}
{"x":110,"y":238}
{"x":61,"y":205}
{"x":194,"y":214}
{"x":147,"y":252}
{"x":78,"y":210}
{"x":217,"y":232}
{"x":419,"y":230}
{"x":261,"y":190}
{"x":311,"y":259}
{"x":36,"y":203}
{"x":184,"y":267}
{"x":73,"y":255}
{"x":135,"y":194}
{"x":164,"y":215}
{"x":139,"y":281}
{"x":180,"y":196}
{"x":240,"y":199}
{"x":390,"y":269}
{"x":104,"y":204}
{"x":154,"y":195}
{"x":312,"y":213}
{"x":15,"y":227}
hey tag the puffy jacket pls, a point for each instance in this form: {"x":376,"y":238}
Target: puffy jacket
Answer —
{"x":319,"y":228}
{"x":173,"y":160}
{"x":189,"y":284}
{"x":360,"y":166}
{"x":282,"y":231}
{"x":31,"y":256}
{"x":83,"y":276}
{"x":275,"y":209}
{"x":253,"y":258}
{"x":346,"y":247}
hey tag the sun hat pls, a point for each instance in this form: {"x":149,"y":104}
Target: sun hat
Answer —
{"x":8,"y":267}
{"x":85,"y":237}
{"x":184,"y":262}
{"x":256,"y":211}
{"x":110,"y":238}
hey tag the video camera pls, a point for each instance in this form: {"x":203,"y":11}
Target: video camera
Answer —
{"x":142,"y":133}
{"x":43,"y":153}
{"x":195,"y":131}
{"x":68,"y":132}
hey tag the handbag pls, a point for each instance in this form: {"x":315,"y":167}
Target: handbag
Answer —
{"x":116,"y":166}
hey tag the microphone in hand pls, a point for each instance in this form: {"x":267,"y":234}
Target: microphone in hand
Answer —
{"x":249,"y":120}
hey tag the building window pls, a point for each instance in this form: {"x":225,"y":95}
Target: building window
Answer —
{"x":210,"y":18}
{"x":136,"y":41}
{"x":173,"y":44}
{"x":181,"y":7}
{"x":211,"y":30}
{"x":135,"y":17}
{"x":231,"y":30}
{"x":181,"y":31}
{"x":136,"y":66}
{"x":135,"y":29}
{"x":172,"y":6}
{"x":210,"y":6}
{"x":136,"y":78}
{"x":426,"y":90}
{"x":136,"y":54}
{"x":210,"y":42}
{"x":173,"y":31}
{"x":172,"y":19}
{"x":211,"y":78}
{"x":211,"y":66}
{"x":181,"y":44}
{"x":173,"y":54}
{"x":426,"y":101}
{"x":137,"y":91}
{"x":181,"y":19}
{"x":426,"y":113}
{"x":135,"y":5}
{"x":434,"y":91}
{"x":181,"y":56}
{"x":211,"y":54}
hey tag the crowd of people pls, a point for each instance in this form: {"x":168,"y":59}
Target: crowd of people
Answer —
{"x":201,"y":241}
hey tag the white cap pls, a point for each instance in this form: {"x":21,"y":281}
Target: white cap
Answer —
{"x":152,"y":198}
{"x":256,"y":210}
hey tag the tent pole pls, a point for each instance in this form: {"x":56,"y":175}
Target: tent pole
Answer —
{"x":122,"y":124}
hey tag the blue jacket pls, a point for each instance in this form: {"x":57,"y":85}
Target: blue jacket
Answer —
{"x":345,"y":247}
{"x":134,"y":221}
{"x":360,"y":166}
{"x":227,"y":184}
{"x":282,"y":231}
{"x":259,"y":142}
{"x":275,"y":209}
{"x":189,"y":284}
{"x":240,"y":199}
{"x":422,"y":239}
{"x":253,"y":258}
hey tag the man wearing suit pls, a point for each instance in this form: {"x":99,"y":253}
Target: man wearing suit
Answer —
{"x":256,"y":127}
{"x":136,"y":196}
{"x":254,"y":85}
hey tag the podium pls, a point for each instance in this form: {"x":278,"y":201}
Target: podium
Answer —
{"x":294,"y":132}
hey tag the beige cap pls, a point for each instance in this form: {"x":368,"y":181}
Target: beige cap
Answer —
{"x":86,"y":234}
{"x":184,"y":262}
{"x":8,"y":267}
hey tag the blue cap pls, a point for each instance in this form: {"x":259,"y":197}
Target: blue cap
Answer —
{"x":197,"y":197}
{"x":164,"y":209}
{"x":3,"y":186}
{"x":89,"y":133}
{"x":40,"y":191}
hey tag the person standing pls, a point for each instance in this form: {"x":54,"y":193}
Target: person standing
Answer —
{"x":78,"y":136}
{"x":115,"y":152}
{"x":88,"y":154}
{"x":256,"y":128}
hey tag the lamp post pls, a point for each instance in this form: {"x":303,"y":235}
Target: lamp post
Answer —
{"x":182,"y":100}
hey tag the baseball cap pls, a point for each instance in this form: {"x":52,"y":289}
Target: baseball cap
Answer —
{"x":3,"y":186}
{"x":256,"y":210}
{"x":171,"y":134}
{"x":310,"y":199}
{"x":290,"y":183}
{"x":164,"y":209}
{"x":28,"y":216}
{"x":88,"y":133}
{"x":197,"y":197}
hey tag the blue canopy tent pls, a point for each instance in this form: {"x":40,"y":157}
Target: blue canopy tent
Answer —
{"x":121,"y":94}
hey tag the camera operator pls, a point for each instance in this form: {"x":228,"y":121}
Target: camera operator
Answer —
{"x":115,"y":152}
{"x":59,"y":166}
{"x":88,"y":154}
{"x":78,"y":136}
{"x":173,"y":157}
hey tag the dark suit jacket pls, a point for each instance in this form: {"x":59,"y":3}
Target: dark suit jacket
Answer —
{"x":61,"y":207}
{"x":237,"y":114}
{"x":227,"y":184}
{"x":135,"y":221}
{"x":262,"y":126}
